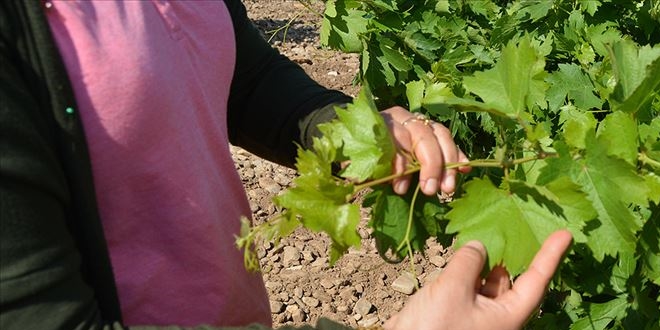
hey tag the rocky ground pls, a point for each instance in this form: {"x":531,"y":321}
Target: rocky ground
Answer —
{"x":361,"y":289}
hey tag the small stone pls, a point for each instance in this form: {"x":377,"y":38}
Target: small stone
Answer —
{"x":298,"y":292}
{"x":274,"y":286}
{"x":405,"y":283}
{"x":311,"y":302}
{"x":298,"y":316}
{"x":359,"y":288}
{"x":290,"y":255}
{"x":362,"y":307}
{"x":347,"y":294}
{"x":326,"y":283}
{"x":292,"y":308}
{"x":322,"y":296}
{"x":307,"y":255}
{"x":369,"y":321}
{"x":438,"y":261}
{"x":269,"y":185}
{"x":276,"y":307}
{"x":333,"y":73}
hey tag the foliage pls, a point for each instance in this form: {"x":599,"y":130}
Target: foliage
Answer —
{"x":557,"y":102}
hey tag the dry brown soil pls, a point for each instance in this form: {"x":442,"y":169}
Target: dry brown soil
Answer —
{"x":361,"y":289}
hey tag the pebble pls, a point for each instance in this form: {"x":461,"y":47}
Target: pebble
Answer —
{"x":438,"y":261}
{"x":347,"y":294}
{"x":327,"y":283}
{"x":362,"y":307}
{"x":311,"y":302}
{"x":290,"y":255}
{"x":298,"y":292}
{"x":405,"y":283}
{"x":276,"y":307}
{"x":369,"y":321}
{"x":269,"y":185}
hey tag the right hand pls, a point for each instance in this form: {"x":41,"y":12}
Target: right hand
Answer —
{"x":458,"y":299}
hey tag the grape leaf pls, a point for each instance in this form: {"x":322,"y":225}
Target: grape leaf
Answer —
{"x":509,"y":85}
{"x":590,"y":6}
{"x":649,"y":246}
{"x":342,"y":25}
{"x":635,"y":68}
{"x":569,"y":81}
{"x":576,"y":125}
{"x":319,"y":202}
{"x":653,"y":182}
{"x":611,"y":184}
{"x":646,"y":91}
{"x":618,"y":132}
{"x":599,"y":315}
{"x":363,"y":136}
{"x":390,"y":212}
{"x":511,"y":224}
{"x":536,"y":9}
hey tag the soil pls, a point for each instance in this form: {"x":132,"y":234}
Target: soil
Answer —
{"x":360,"y":289}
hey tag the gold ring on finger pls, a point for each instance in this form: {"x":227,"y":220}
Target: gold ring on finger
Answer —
{"x":418,"y":117}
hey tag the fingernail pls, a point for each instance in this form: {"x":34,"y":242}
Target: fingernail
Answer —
{"x":449,"y":183}
{"x":431,"y":186}
{"x":476,"y":245}
{"x":401,"y":187}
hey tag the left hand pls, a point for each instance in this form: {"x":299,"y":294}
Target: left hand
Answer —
{"x":431,"y":144}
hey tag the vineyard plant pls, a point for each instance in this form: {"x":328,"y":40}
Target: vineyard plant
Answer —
{"x":556,"y":103}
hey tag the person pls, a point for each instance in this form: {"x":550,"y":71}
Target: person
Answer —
{"x":119,"y":199}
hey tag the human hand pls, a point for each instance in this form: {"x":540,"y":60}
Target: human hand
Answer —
{"x":458,"y":299}
{"x":432,"y":146}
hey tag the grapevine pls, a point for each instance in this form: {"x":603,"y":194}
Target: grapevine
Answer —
{"x":557,"y":103}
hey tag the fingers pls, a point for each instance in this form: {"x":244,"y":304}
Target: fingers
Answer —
{"x":449,"y":155}
{"x":462,"y":273}
{"x":529,"y":288}
{"x":496,"y":283}
{"x":431,"y":144}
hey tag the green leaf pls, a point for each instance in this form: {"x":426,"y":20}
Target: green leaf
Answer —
{"x":442,"y":6}
{"x":342,"y":25}
{"x":436,"y":97}
{"x":611,"y":185}
{"x":618,"y":132}
{"x":576,"y":126}
{"x":600,"y":315}
{"x":415,"y":94}
{"x":393,"y":56}
{"x":589,"y":6}
{"x":577,"y":210}
{"x":653,"y":182}
{"x":536,"y":9}
{"x":637,"y":71}
{"x":511,"y":224}
{"x":646,"y":91}
{"x":514,"y":78}
{"x":649,"y":246}
{"x":569,"y":81}
{"x":364,"y":139}
{"x":320,"y":203}
{"x":390,"y":214}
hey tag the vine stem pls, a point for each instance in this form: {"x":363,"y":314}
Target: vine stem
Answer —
{"x":473,"y":163}
{"x":406,"y":238}
{"x":644,"y":158}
